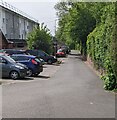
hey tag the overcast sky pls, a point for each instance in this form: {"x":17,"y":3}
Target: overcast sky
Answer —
{"x":42,"y":10}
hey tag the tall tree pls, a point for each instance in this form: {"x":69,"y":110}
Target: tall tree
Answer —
{"x":75,"y":24}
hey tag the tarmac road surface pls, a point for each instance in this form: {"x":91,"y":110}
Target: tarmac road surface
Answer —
{"x":73,"y":90}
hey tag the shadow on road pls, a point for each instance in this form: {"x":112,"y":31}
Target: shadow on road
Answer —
{"x":45,"y":66}
{"x":78,"y":56}
{"x":74,"y":54}
{"x":57,"y":64}
{"x":44,"y":77}
{"x":27,"y":78}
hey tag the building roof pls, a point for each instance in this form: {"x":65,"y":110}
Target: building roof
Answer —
{"x":14,"y":9}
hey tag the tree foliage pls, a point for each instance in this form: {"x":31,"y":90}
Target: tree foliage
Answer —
{"x":40,"y":38}
{"x":92,"y":26}
{"x":75,"y":24}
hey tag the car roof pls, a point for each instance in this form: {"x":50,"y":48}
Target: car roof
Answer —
{"x":13,"y":49}
{"x":1,"y":54}
{"x":35,"y":50}
{"x":30,"y":56}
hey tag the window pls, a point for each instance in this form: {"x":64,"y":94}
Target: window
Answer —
{"x":42,"y":53}
{"x":3,"y":20}
{"x":19,"y":36}
{"x":22,"y":58}
{"x":5,"y":35}
{"x":7,"y":20}
{"x":15,"y":58}
{"x":33,"y":52}
{"x":2,"y":60}
{"x":22,"y":36}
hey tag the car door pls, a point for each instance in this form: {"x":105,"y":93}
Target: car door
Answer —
{"x":0,"y":67}
{"x":4,"y":66}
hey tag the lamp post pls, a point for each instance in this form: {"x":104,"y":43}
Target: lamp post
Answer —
{"x":54,"y":45}
{"x":55,"y":40}
{"x":56,"y":24}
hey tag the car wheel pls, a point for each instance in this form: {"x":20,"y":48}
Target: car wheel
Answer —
{"x":36,"y":74}
{"x":49,"y":61}
{"x":14,"y":75}
{"x":29,"y":72}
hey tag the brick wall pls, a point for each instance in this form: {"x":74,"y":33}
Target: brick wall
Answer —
{"x":4,"y":43}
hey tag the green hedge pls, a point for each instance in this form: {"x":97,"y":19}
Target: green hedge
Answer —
{"x":102,"y":46}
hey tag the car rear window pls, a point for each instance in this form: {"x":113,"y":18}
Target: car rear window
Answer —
{"x":32,"y":52}
{"x":20,"y":58}
{"x":37,"y":60}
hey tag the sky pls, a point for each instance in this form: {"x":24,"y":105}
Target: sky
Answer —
{"x":42,"y":10}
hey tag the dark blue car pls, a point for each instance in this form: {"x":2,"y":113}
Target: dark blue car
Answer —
{"x":34,"y":64}
{"x":41,"y":54}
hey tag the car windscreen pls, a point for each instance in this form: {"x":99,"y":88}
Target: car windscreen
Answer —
{"x":8,"y":58}
{"x":42,"y":53}
{"x":59,"y":50}
{"x":32,"y":52}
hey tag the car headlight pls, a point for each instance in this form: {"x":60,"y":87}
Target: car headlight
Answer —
{"x":55,"y":57}
{"x":19,"y":67}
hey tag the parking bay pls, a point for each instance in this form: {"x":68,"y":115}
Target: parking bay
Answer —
{"x":48,"y":72}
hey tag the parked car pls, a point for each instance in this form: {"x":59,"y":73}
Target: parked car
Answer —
{"x":13,"y":51}
{"x":12,"y":69}
{"x":2,"y":53}
{"x":66,"y":49}
{"x":32,"y":62}
{"x":60,"y":53}
{"x":43,"y":55}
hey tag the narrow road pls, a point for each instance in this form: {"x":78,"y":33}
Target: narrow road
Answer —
{"x":74,"y":91}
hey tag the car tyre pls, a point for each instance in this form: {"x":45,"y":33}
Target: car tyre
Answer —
{"x":36,"y":74}
{"x":30,"y":72}
{"x":14,"y":75}
{"x":49,"y":61}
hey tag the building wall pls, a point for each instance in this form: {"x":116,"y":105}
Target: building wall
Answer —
{"x":0,"y":39}
{"x":0,"y":17}
{"x":26,"y":27}
{"x":14,"y":25}
{"x":4,"y":43}
{"x":21,"y":28}
{"x":3,"y":21}
{"x":31,"y":25}
{"x":9,"y":25}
